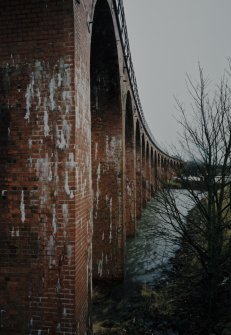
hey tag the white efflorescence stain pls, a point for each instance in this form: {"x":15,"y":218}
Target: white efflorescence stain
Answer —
{"x":43,"y":168}
{"x":15,"y":232}
{"x":52,"y":89}
{"x":54,"y":219}
{"x":29,"y":97}
{"x":30,"y":143}
{"x":64,"y":312}
{"x":66,"y":186}
{"x":39,"y":100}
{"x":71,"y":163}
{"x":50,"y":175}
{"x":63,"y":135}
{"x":49,"y":100}
{"x":46,"y":119}
{"x":65,"y":218}
{"x":41,"y":78}
{"x":22,"y":207}
{"x":82,"y":105}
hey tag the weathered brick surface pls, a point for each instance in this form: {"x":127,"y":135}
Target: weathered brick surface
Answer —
{"x":144,"y":171}
{"x":138,"y":171}
{"x":107,"y":156}
{"x":39,"y":220}
{"x":152,"y":174}
{"x":72,"y":168}
{"x":130,"y":181}
{"x":148,"y":172}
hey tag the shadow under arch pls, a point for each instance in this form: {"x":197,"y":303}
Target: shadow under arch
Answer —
{"x":106,"y":153}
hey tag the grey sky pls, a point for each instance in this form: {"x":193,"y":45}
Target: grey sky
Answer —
{"x":167,"y":39}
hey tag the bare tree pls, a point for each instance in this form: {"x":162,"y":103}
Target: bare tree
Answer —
{"x":202,"y":224}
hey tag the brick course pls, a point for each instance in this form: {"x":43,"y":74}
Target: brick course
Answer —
{"x":64,"y":161}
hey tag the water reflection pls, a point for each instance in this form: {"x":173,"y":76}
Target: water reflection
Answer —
{"x":148,"y":252}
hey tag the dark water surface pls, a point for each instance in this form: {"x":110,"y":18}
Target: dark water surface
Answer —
{"x":147,"y":253}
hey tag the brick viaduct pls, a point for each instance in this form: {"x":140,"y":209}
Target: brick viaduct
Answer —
{"x":78,"y":162}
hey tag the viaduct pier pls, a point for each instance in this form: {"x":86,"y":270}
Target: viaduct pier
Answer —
{"x":77,"y":159}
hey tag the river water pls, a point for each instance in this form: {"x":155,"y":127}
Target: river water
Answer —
{"x":146,"y":255}
{"x":148,"y":252}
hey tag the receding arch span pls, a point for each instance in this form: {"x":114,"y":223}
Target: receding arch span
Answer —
{"x":143,"y":171}
{"x":165,"y":169}
{"x":152,"y":173}
{"x":129,"y":123}
{"x":106,"y":134}
{"x":161,"y":168}
{"x":148,"y":172}
{"x":138,"y":172}
{"x":129,"y":168}
{"x":156,"y":170}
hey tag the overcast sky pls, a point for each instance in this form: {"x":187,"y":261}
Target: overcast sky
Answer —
{"x":167,"y":39}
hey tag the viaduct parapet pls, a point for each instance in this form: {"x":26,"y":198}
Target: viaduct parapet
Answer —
{"x":77,"y":160}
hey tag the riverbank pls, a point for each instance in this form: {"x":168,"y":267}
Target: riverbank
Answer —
{"x":118,"y":309}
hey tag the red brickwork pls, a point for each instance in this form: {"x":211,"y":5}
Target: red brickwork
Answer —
{"x":138,"y":173}
{"x":129,"y":169}
{"x":68,"y":153}
{"x":152,"y":174}
{"x":107,"y":158}
{"x":40,"y":224}
{"x":148,"y":173}
{"x":144,"y":171}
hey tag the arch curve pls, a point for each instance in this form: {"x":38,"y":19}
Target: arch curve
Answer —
{"x":106,"y":153}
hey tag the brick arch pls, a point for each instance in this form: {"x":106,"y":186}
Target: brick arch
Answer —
{"x":138,"y":171}
{"x":143,"y":171}
{"x":167,"y":168}
{"x":156,"y":169}
{"x":159,"y":163}
{"x":129,"y":168}
{"x":162,"y":167}
{"x":148,"y":171}
{"x":106,"y":154}
{"x":62,"y":135}
{"x":159,"y":170}
{"x":152,"y":173}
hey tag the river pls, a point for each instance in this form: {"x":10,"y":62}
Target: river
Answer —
{"x":146,"y":255}
{"x":148,"y":252}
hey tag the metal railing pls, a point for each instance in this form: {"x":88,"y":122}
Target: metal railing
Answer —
{"x":122,"y":26}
